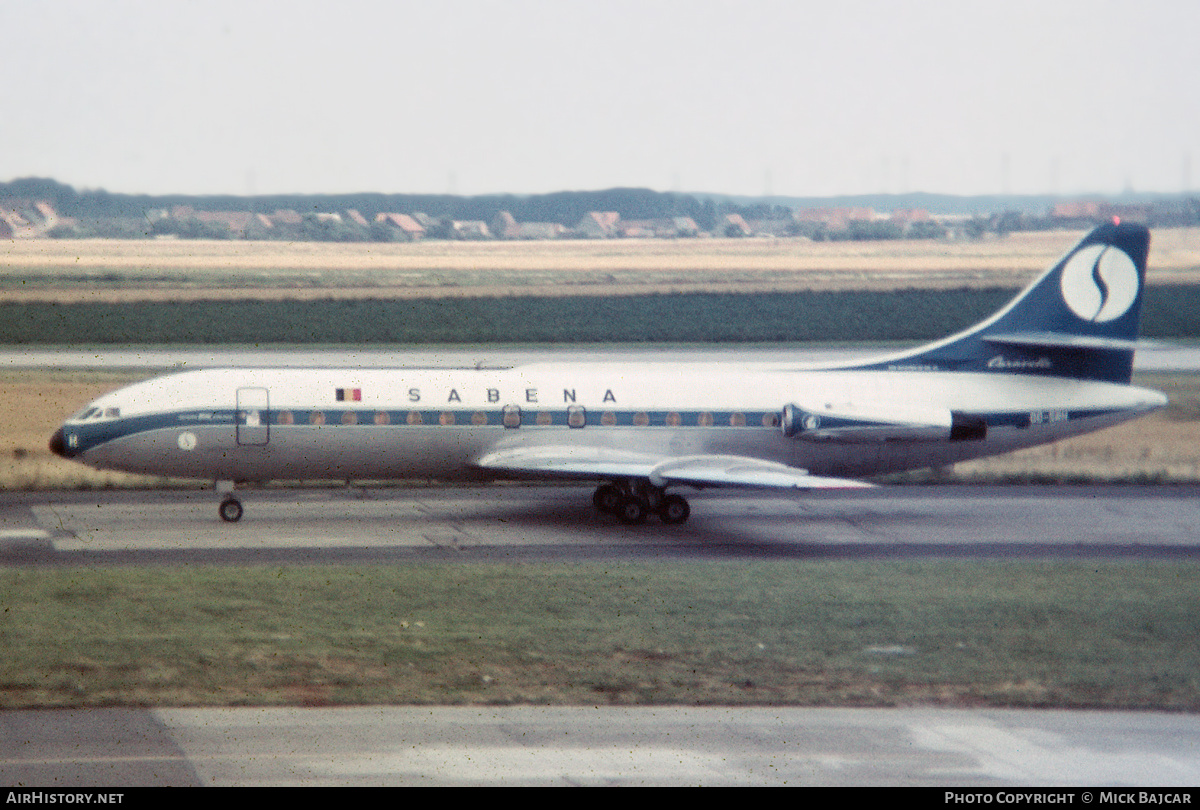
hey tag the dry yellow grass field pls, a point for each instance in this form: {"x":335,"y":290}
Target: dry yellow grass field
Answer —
{"x":106,"y":270}
{"x":1162,"y":447}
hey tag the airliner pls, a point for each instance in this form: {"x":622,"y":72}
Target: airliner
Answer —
{"x":1057,"y":361}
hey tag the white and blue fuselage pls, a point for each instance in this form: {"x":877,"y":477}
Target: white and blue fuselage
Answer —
{"x":257,"y":424}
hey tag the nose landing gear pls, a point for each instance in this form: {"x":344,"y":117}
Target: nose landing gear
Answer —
{"x":230,"y":510}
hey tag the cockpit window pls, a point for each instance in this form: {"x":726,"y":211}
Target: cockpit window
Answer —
{"x":93,"y":413}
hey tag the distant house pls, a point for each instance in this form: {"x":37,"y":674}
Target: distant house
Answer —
{"x":906,"y":215}
{"x":408,"y":227}
{"x":773,"y":227}
{"x":732,"y":225}
{"x":598,"y":224}
{"x":837,"y":219}
{"x":26,"y":219}
{"x":470,"y":229}
{"x":238,"y":222}
{"x":665,"y":228}
{"x":686,"y":226}
{"x":540,"y":230}
{"x":286,"y":216}
{"x":505,"y":226}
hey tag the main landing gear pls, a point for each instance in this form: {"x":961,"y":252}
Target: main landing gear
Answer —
{"x":633,"y":502}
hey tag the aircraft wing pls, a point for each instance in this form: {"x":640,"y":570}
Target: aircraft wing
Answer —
{"x":698,"y":471}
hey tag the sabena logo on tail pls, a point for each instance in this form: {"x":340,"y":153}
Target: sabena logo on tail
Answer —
{"x":1099,"y":283}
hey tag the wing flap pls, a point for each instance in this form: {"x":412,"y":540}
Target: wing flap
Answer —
{"x":739,"y":471}
{"x":569,"y":462}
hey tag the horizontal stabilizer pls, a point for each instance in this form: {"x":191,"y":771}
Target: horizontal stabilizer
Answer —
{"x":1060,"y":340}
{"x":700,"y":471}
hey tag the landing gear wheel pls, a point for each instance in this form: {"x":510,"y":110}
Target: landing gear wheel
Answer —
{"x":631,"y":511}
{"x":674,"y":509}
{"x":230,"y":510}
{"x":607,"y":498}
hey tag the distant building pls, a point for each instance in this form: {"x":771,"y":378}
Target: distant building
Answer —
{"x":408,"y":227}
{"x":732,"y":225}
{"x":686,"y":226}
{"x":470,"y":229}
{"x":598,"y":224}
{"x":665,"y":228}
{"x":27,"y":219}
{"x":772,"y":227}
{"x":837,"y":219}
{"x":505,"y":226}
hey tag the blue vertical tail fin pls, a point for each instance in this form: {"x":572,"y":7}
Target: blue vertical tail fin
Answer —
{"x":1079,"y":320}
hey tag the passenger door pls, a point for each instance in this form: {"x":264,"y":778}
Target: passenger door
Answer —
{"x":253,"y":416}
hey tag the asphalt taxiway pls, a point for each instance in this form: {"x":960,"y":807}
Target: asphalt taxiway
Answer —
{"x":530,"y":523}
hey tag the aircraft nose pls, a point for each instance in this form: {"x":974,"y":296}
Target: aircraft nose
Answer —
{"x":58,"y":444}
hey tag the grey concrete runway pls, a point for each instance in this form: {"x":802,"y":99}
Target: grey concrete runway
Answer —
{"x":596,"y":746}
{"x":535,"y":523}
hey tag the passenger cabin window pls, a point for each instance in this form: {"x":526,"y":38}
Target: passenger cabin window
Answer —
{"x":576,"y":416}
{"x":512,"y":416}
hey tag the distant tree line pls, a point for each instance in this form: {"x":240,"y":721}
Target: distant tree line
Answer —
{"x":565,"y":207}
{"x":97,"y":212}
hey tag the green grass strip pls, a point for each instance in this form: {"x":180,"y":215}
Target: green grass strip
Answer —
{"x":1111,"y":635}
{"x":1170,"y":312}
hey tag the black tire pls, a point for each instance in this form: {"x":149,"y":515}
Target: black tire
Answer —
{"x":674,"y":509}
{"x":631,"y":511}
{"x":230,"y":510}
{"x":607,"y":498}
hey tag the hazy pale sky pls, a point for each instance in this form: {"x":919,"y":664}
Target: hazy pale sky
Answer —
{"x":525,"y":96}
